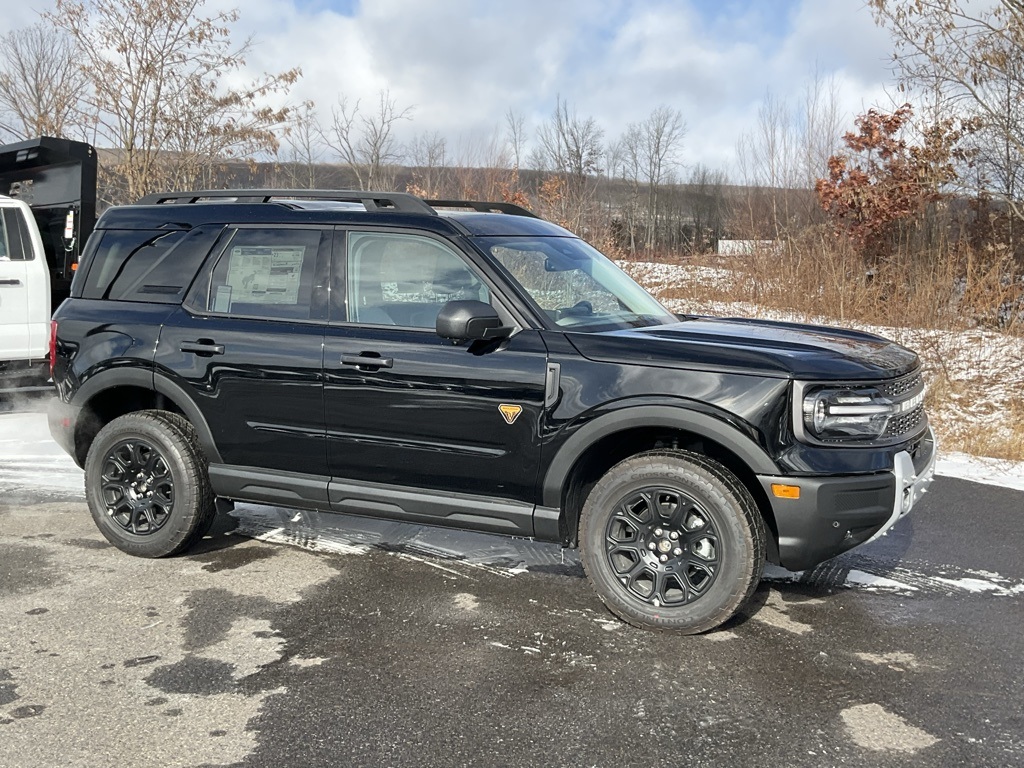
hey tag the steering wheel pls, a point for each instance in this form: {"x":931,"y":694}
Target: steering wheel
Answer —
{"x":579,"y":309}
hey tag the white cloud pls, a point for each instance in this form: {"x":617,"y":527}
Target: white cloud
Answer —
{"x":464,"y":63}
{"x":18,"y":15}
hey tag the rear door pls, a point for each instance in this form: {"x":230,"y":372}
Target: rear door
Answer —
{"x":248,"y":346}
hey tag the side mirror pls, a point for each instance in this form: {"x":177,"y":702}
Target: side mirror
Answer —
{"x":470,"y":320}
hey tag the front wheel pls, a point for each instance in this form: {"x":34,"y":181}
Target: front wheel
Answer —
{"x":671,"y":540}
{"x":147,"y":484}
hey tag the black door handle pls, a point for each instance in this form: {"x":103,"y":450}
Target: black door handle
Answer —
{"x":367,"y":361}
{"x":203,"y":347}
{"x":11,"y":281}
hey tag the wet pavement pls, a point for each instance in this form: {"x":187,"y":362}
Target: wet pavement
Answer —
{"x":303,"y":639}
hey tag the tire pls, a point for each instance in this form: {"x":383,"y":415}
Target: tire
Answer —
{"x":672,"y":540}
{"x":147,"y":485}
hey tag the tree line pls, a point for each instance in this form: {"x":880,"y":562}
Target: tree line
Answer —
{"x":146,"y":81}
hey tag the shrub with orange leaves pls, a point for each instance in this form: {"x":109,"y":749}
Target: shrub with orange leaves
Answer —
{"x":883,"y":181}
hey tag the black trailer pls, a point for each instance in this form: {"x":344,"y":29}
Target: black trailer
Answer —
{"x":57,"y":178}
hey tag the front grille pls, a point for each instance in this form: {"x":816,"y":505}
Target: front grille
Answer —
{"x":905,"y":424}
{"x":907,"y":385}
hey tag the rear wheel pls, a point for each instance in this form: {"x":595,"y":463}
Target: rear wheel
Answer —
{"x":672,"y":540}
{"x":147,"y":484}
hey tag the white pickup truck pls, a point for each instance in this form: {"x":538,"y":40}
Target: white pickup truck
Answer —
{"x":24,"y":292}
{"x":47,"y":210}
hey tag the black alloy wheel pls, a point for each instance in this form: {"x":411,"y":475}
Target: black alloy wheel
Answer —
{"x":663,"y":545}
{"x":138,"y":488}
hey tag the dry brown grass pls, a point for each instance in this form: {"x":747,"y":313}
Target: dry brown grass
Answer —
{"x":819,"y":276}
{"x":981,"y":439}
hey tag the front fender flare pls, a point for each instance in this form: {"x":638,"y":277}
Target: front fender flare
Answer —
{"x":666,"y":416}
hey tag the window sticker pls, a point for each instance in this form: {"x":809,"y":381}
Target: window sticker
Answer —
{"x":265,"y":275}
{"x":222,"y":301}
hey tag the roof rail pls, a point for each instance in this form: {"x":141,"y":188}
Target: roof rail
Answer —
{"x":482,"y":207}
{"x":373,"y":201}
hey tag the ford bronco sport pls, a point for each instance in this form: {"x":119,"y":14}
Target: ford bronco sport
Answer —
{"x":468,"y":364}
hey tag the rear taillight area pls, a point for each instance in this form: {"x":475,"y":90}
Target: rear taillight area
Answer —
{"x":53,"y":346}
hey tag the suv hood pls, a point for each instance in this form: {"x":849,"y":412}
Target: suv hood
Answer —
{"x":786,"y":350}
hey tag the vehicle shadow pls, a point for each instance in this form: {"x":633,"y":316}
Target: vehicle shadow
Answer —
{"x":220,"y":536}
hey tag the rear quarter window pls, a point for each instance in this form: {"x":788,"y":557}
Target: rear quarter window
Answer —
{"x":154,"y":266}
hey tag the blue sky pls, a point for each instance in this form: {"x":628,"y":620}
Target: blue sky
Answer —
{"x":462,"y":64}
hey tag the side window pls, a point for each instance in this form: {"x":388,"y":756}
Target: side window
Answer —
{"x":271,"y":274}
{"x":11,"y":246}
{"x":28,"y":252}
{"x":404,"y":280}
{"x":5,"y":249}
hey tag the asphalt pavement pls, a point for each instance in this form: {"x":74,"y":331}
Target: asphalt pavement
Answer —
{"x":292,"y":639}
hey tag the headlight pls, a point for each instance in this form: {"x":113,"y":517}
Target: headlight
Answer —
{"x":833,"y":413}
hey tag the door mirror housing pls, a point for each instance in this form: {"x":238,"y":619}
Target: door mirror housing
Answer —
{"x":470,"y":320}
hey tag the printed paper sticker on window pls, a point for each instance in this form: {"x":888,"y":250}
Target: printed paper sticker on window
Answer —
{"x":265,"y":275}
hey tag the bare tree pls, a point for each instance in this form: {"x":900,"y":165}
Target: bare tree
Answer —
{"x":783,"y":156}
{"x":428,"y":153}
{"x":366,"y":141}
{"x":629,"y":167}
{"x":211,"y":128}
{"x":515,"y":135}
{"x":155,"y":70}
{"x":655,"y":143}
{"x":41,"y":82}
{"x":305,"y":151}
{"x":708,"y":207}
{"x":972,"y":54}
{"x":482,"y":170}
{"x":570,"y":146}
{"x":822,"y":129}
{"x":768,"y":157}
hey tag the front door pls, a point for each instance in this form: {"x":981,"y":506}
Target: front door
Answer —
{"x":418,"y":427}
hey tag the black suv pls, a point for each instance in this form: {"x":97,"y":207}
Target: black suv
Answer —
{"x":468,"y":364}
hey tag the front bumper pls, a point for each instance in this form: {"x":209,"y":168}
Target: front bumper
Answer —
{"x":835,"y":514}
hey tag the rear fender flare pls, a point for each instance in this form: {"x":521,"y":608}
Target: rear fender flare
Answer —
{"x":155,"y":382}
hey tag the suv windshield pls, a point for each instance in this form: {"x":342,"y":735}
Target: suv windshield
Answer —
{"x":575,"y":285}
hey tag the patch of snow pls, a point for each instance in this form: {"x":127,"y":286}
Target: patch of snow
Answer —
{"x":1006,"y":474}
{"x":775,"y":613}
{"x":466,"y":601}
{"x":897,"y":660}
{"x":871,"y":581}
{"x":979,"y":586}
{"x":302,"y":661}
{"x":872,"y":727}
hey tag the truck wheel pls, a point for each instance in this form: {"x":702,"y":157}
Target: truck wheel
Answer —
{"x":671,"y":540}
{"x":147,"y":485}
